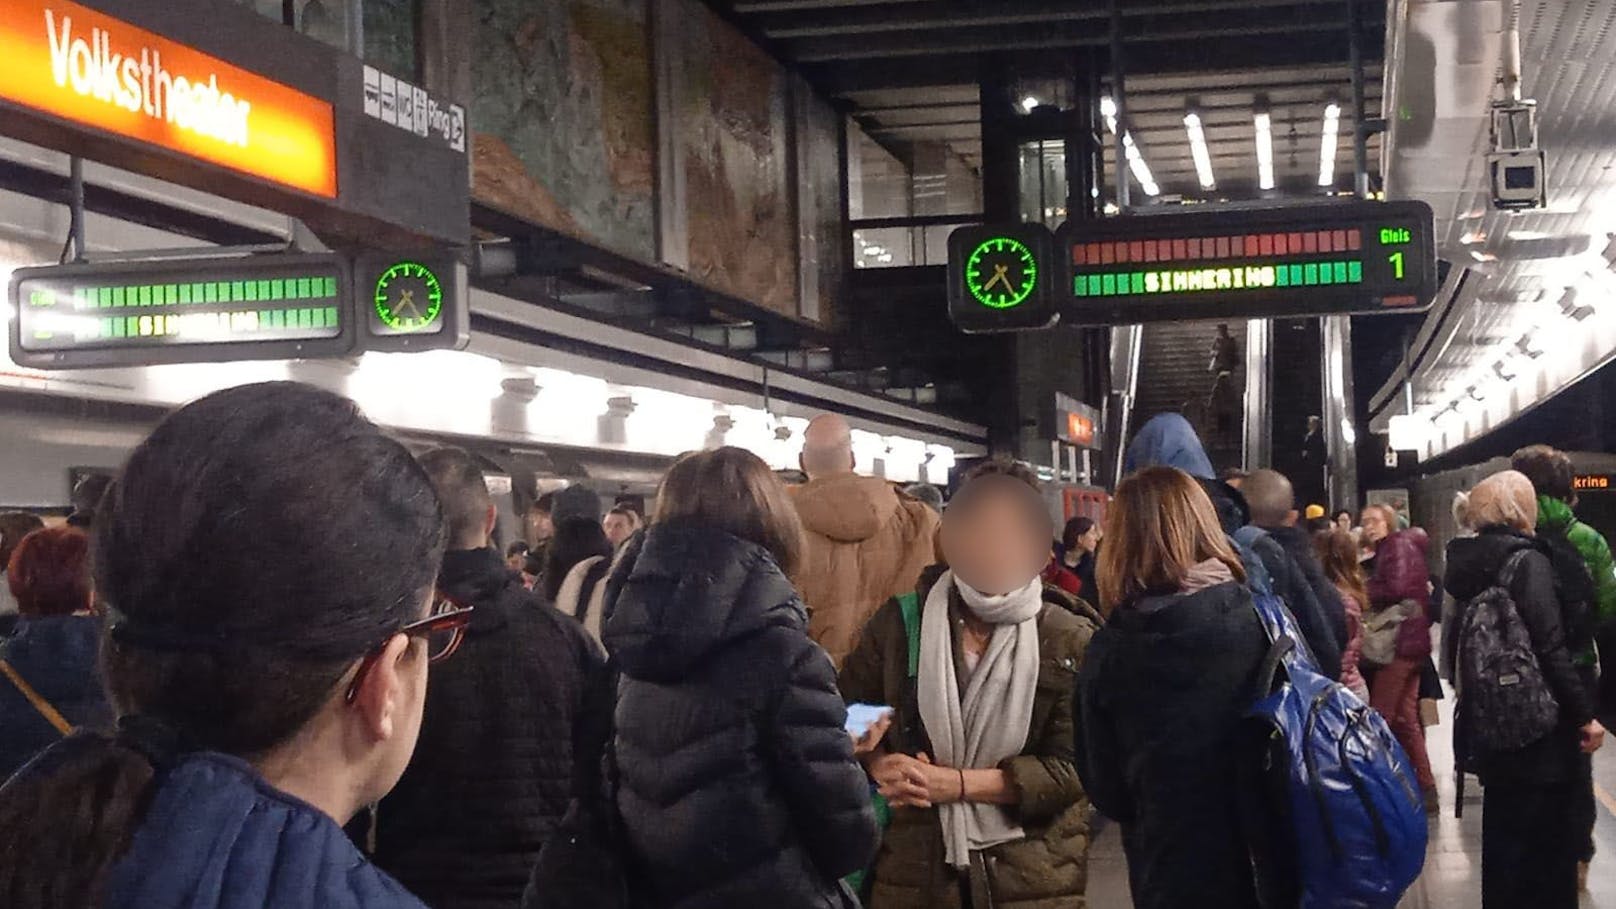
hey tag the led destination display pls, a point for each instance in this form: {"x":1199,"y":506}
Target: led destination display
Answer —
{"x":253,"y":307}
{"x":1352,"y":257}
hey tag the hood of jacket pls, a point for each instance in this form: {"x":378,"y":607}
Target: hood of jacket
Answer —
{"x":846,"y":507}
{"x":1553,"y":514}
{"x":480,"y":579}
{"x":1474,"y":562}
{"x":683,"y":590}
{"x":1230,"y":505}
{"x":218,"y":835}
{"x":1180,"y":633}
{"x":59,"y":654}
{"x":1168,"y":440}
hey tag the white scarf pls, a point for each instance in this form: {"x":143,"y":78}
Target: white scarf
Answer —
{"x":991,"y":721}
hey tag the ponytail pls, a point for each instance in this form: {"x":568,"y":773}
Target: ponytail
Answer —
{"x":91,"y":791}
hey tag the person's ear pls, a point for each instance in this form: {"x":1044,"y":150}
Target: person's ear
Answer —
{"x":382,"y":692}
{"x":852,"y":461}
{"x":490,"y":520}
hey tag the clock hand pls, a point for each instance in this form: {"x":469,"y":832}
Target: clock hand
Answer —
{"x":1000,"y":276}
{"x":406,"y":298}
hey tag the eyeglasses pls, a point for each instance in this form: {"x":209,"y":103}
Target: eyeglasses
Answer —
{"x":443,"y":631}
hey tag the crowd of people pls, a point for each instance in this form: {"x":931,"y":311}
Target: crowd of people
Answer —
{"x":834,"y":693}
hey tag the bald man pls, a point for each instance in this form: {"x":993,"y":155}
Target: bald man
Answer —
{"x":866,"y":541}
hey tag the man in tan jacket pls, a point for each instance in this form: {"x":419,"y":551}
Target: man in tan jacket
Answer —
{"x":867,"y":542}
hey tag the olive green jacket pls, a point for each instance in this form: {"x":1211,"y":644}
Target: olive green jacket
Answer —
{"x":1048,"y":869}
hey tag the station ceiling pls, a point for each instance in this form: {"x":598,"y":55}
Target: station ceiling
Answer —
{"x":909,"y":72}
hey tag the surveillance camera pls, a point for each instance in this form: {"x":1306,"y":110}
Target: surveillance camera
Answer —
{"x":1517,"y":179}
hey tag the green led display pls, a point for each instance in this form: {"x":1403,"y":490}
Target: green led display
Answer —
{"x":408,"y":300}
{"x":1221,"y":278}
{"x":1001,"y":272}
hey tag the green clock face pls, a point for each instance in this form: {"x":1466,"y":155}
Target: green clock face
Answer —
{"x":1001,"y":272}
{"x":409,"y":299}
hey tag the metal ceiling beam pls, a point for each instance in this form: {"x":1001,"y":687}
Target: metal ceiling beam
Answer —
{"x":1011,"y":38}
{"x":908,"y":16}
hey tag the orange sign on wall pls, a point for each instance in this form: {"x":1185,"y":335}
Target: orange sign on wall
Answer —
{"x":1080,"y":430}
{"x":88,"y":68}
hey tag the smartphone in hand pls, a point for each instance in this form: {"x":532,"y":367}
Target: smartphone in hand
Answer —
{"x":860,"y":717}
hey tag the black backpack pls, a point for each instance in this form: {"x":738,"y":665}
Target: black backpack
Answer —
{"x":1505,"y":702}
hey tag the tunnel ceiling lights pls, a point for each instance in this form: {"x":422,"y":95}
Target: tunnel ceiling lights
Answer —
{"x":1329,"y":143}
{"x":1199,"y":151}
{"x":1136,"y":161}
{"x":1265,"y":149}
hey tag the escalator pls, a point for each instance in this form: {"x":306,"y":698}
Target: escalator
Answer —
{"x":1177,"y":375}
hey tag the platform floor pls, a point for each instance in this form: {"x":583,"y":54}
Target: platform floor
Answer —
{"x":1452,"y":878}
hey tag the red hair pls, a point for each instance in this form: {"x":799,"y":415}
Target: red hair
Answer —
{"x":49,"y":572}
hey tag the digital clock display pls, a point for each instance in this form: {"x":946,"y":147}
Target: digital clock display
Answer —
{"x":1352,"y":257}
{"x":254,"y":307}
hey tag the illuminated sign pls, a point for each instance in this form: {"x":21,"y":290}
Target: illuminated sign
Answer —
{"x":1591,"y":482}
{"x":1351,"y":257}
{"x":83,"y":66}
{"x":1075,"y":422}
{"x":408,"y":299}
{"x":1001,"y":278}
{"x":258,"y":307}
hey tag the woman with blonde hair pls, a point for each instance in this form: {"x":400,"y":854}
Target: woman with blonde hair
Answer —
{"x":1163,"y":691}
{"x":737,"y":783}
{"x":1531,"y":839}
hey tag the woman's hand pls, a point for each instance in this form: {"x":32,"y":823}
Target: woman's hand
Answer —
{"x":1593,"y":736}
{"x":872,"y":736}
{"x":899,"y":780}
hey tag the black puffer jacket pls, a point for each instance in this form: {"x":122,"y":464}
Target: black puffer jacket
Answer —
{"x":1289,"y":580}
{"x":1473,"y":565}
{"x":1161,"y":748}
{"x":492,"y":773}
{"x":737,"y":784}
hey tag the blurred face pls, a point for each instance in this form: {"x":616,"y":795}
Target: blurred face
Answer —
{"x":1374,"y":526}
{"x":618,"y":527}
{"x":1343,"y":521}
{"x":995,"y":547}
{"x":540,"y":527}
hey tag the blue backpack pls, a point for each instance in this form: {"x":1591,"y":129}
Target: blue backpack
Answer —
{"x":1354,"y":813}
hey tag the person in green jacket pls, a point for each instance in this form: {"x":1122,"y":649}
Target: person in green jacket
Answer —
{"x":1552,"y":475}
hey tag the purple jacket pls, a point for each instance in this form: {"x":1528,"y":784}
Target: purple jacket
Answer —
{"x":1402,"y":573}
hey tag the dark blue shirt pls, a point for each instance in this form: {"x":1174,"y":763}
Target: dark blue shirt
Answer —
{"x":56,"y":656}
{"x":219,"y":836}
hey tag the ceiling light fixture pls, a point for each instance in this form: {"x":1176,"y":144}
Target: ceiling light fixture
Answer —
{"x":1528,"y":235}
{"x":1029,"y":103}
{"x":1329,"y":144}
{"x":1136,"y":164}
{"x":1108,"y":110}
{"x":1199,"y":151}
{"x":1265,"y":149}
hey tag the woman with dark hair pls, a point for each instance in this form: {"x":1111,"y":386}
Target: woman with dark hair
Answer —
{"x":575,"y":540}
{"x":48,"y":680}
{"x":264,"y":693}
{"x":1080,"y":546}
{"x":1163,"y":693}
{"x":987,"y":809}
{"x":737,"y":782}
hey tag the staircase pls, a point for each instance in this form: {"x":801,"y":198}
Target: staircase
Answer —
{"x":1174,"y":377}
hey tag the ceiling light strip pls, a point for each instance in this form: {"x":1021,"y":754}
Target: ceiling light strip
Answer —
{"x":1265,"y":149}
{"x":1198,"y":150}
{"x":1329,"y":144}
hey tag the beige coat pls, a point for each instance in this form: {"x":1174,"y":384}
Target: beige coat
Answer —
{"x":867,"y":543}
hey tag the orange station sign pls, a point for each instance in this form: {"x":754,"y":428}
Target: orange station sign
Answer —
{"x":85,"y":67}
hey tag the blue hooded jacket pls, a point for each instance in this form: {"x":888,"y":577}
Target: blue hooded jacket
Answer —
{"x":1168,"y":440}
{"x":218,"y":836}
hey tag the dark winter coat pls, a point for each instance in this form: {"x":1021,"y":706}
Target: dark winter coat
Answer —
{"x":737,"y":783}
{"x":217,"y":836}
{"x":492,"y":773}
{"x":1169,"y":440}
{"x":57,"y":657}
{"x":1049,"y":868}
{"x":1473,"y":565}
{"x":1299,"y":546}
{"x":1160,"y":747}
{"x":1402,"y":574}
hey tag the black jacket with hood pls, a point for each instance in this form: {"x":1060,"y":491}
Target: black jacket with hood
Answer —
{"x":492,"y":773}
{"x":1163,"y":747}
{"x":737,"y":784}
{"x":1169,"y":440}
{"x":1473,"y":566}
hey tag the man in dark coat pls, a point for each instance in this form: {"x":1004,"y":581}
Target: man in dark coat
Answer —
{"x":1168,"y":439}
{"x":1272,"y":500}
{"x":492,"y":774}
